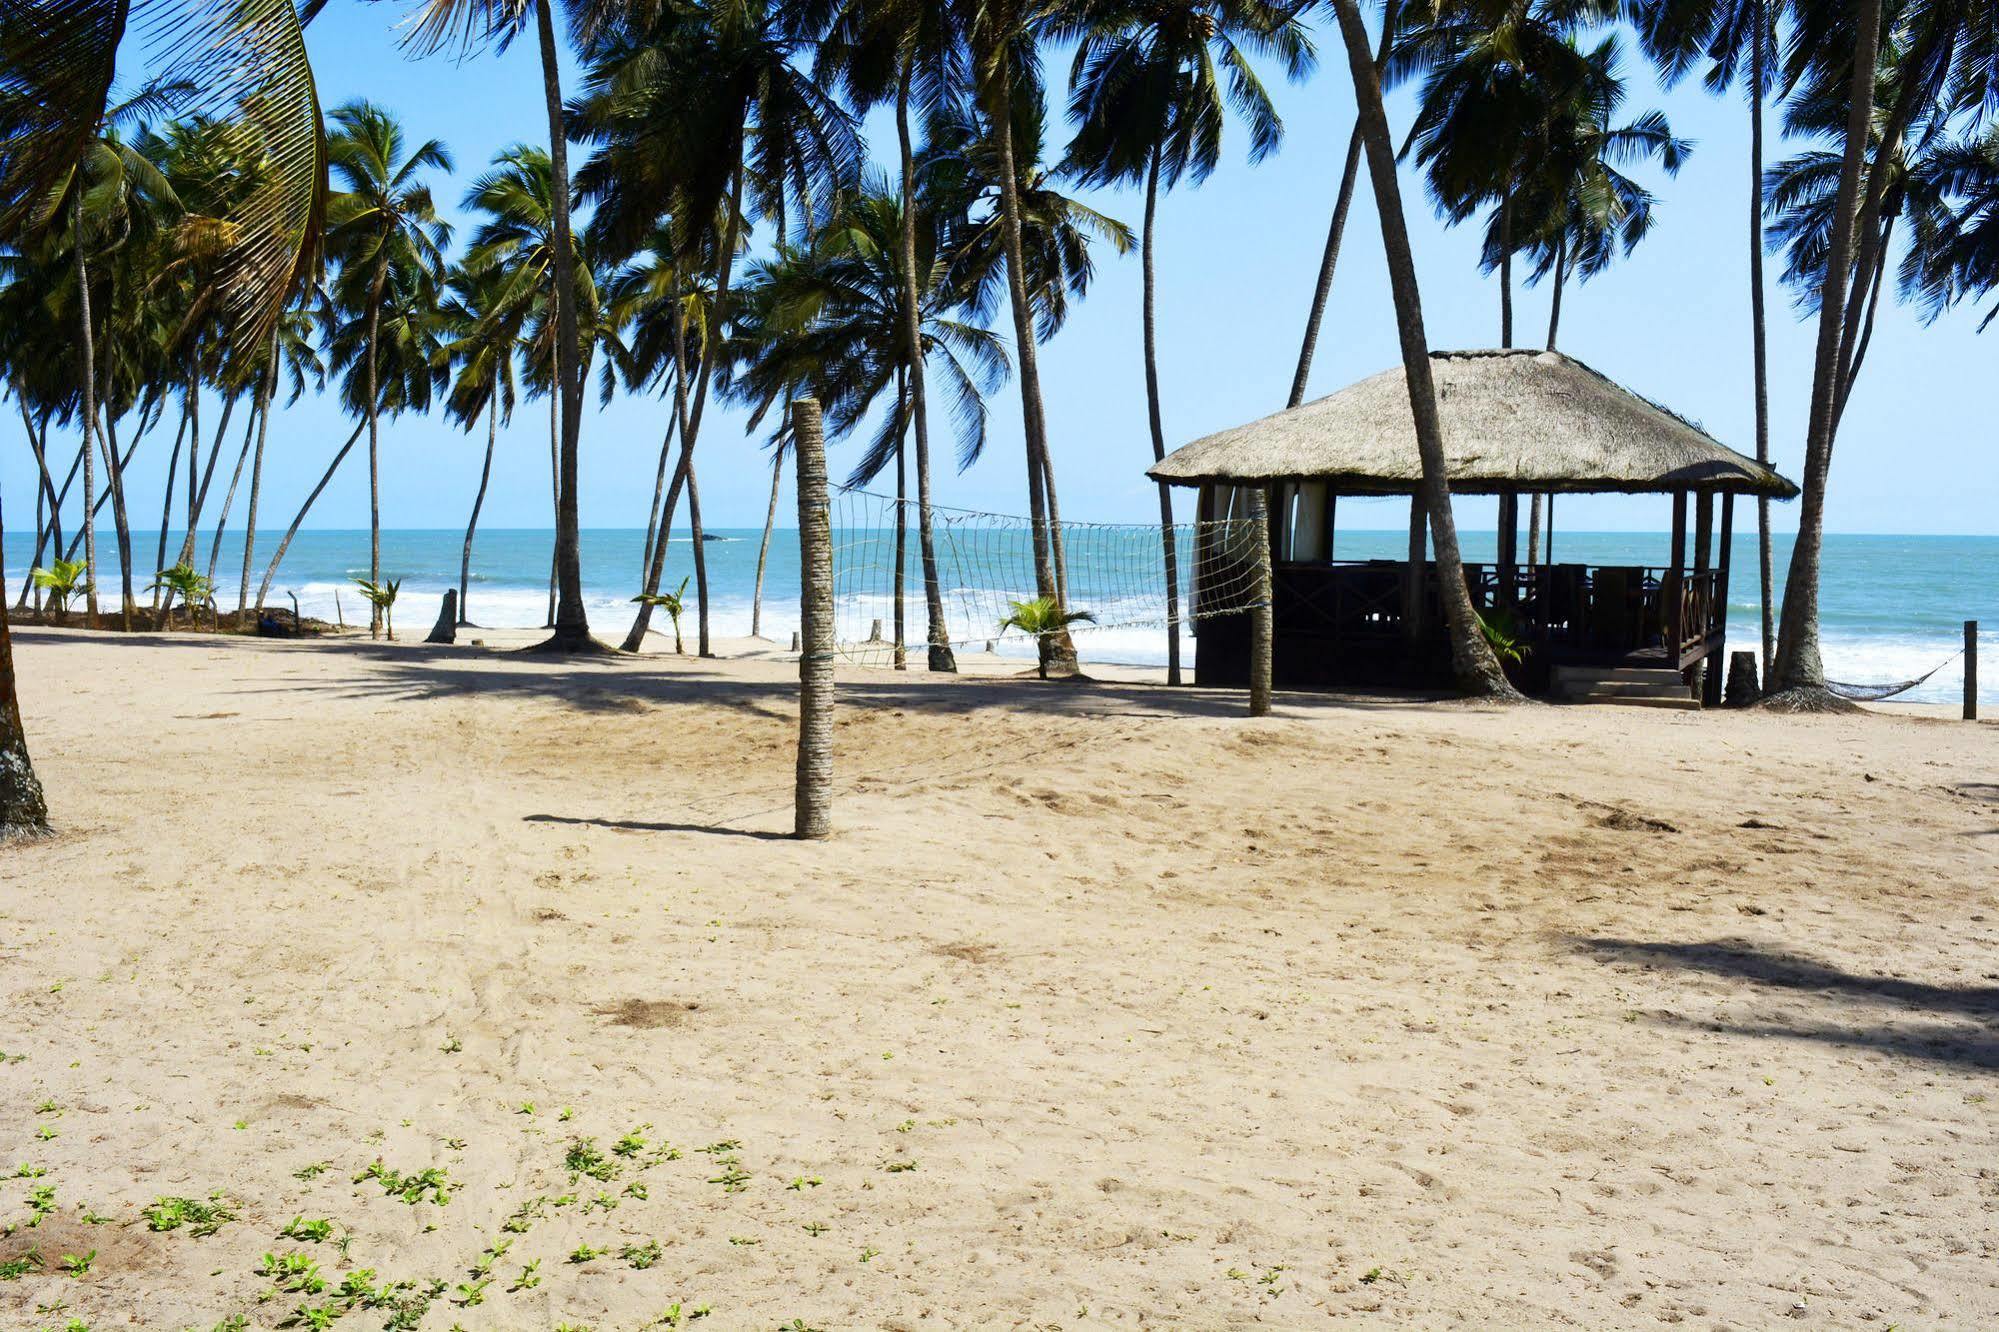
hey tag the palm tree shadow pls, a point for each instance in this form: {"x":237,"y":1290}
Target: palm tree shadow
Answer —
{"x":644,"y":825}
{"x":1948,"y":1038}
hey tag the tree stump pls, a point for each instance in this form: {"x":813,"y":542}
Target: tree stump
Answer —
{"x":1742,"y":686}
{"x":446,"y":628}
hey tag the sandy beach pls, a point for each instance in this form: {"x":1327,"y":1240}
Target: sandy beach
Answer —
{"x":1105,"y":1007}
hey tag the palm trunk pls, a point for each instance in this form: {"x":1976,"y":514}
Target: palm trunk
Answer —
{"x":104,"y":498}
{"x":200,"y":495}
{"x":187,"y":417}
{"x":235,"y":479}
{"x":1336,"y":231}
{"x":900,"y":656}
{"x":478,"y":502}
{"x":38,"y":443}
{"x":1506,"y":268}
{"x":1056,"y":649}
{"x":279,"y":556}
{"x":1759,"y":352}
{"x":1151,"y":328}
{"x":555,"y":491}
{"x":256,"y":483}
{"x":938,"y":638}
{"x":763,"y":550}
{"x":658,"y":494}
{"x":1799,"y":669}
{"x":1873,"y":303}
{"x":88,"y":379}
{"x":572,"y":623}
{"x":108,"y":438}
{"x":374,"y":458}
{"x":1477,"y":670}
{"x":1561,"y":274}
{"x":635,"y":637}
{"x":700,"y":562}
{"x":24,"y":810}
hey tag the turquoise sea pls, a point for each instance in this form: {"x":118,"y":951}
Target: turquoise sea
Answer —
{"x":1893,"y":606}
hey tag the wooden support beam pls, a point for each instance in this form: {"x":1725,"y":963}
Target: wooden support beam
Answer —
{"x":1669,"y":598}
{"x":1412,"y":584}
{"x":1509,"y":545}
{"x":1713,"y":684}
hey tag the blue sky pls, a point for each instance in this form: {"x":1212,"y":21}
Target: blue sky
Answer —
{"x":1236,"y":261}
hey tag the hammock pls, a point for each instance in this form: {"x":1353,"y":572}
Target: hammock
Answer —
{"x":1864,"y":693}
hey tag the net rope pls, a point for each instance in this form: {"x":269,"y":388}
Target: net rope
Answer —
{"x":1874,"y":693}
{"x":1116,"y":573}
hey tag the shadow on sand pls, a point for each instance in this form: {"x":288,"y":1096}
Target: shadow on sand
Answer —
{"x":1952,"y":1041}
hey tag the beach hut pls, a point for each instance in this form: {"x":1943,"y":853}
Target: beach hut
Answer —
{"x":1515,"y":424}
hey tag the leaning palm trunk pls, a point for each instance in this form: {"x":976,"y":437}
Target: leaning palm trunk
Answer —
{"x":700,"y":560}
{"x":1477,"y":670}
{"x":278,"y":557}
{"x":478,"y":502}
{"x":900,"y":655}
{"x":120,"y":517}
{"x":374,"y":460}
{"x":1150,"y":331}
{"x":189,"y":418}
{"x":555,"y":491}
{"x":24,"y":812}
{"x":1798,"y":675}
{"x":763,"y":548}
{"x":1336,"y":230}
{"x":45,"y":494}
{"x":89,"y":381}
{"x":1056,"y":648}
{"x":256,"y":483}
{"x":1759,"y":352}
{"x":198,"y":496}
{"x":235,"y":479}
{"x":938,"y":639}
{"x":572,"y":623}
{"x":642,"y":622}
{"x":658,"y":494}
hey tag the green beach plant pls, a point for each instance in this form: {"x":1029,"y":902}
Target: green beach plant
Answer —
{"x":62,"y":581}
{"x":1040,"y":619}
{"x":192,"y":588}
{"x":671,"y":604}
{"x":382,"y":596}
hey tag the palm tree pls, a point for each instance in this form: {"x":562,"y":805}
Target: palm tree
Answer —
{"x":910,"y":52}
{"x":58,"y":83}
{"x":830,"y":318}
{"x":488,"y":330}
{"x":1953,"y":253}
{"x":1147,"y":92}
{"x":383,"y":227}
{"x":1478,"y":671}
{"x":1492,"y":70}
{"x":1738,"y":39}
{"x":293,"y":350}
{"x":701,"y":113}
{"x":1012,"y":230}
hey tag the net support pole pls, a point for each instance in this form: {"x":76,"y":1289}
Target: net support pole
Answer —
{"x":815,"y":617}
{"x":1259,"y":607}
{"x":1971,"y":670}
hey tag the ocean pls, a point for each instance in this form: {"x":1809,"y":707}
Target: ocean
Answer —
{"x":1892,"y":607}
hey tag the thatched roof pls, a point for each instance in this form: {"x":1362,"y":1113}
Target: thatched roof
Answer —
{"x":1513,"y":421}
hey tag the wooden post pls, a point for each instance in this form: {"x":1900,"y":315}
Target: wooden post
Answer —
{"x":1509,"y":546}
{"x":815,"y":618}
{"x":1971,"y":670}
{"x":1669,"y":586}
{"x":1259,"y":611}
{"x":1724,"y":552}
{"x":1412,"y":594}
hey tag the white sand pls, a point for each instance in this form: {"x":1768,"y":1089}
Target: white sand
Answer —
{"x":1374,"y":1010}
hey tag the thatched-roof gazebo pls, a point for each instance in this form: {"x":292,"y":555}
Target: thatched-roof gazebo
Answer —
{"x":1514,"y":423}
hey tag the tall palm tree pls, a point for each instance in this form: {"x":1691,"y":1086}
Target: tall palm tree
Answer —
{"x":1491,"y":71}
{"x":60,"y":60}
{"x":829,"y":319}
{"x":1478,"y":671}
{"x":910,"y":53}
{"x":294,"y":356}
{"x":1148,"y":92}
{"x":1739,"y":40}
{"x":383,"y":227}
{"x":702,"y":113}
{"x":1953,"y":254}
{"x":488,"y":336}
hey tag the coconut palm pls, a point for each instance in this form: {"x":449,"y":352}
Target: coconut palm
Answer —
{"x":295,"y":358}
{"x":485,"y":345}
{"x":1150,"y":89}
{"x":830,"y":319}
{"x":1953,"y":254}
{"x":1739,"y":41}
{"x":911,"y":53}
{"x":702,"y":113}
{"x":62,"y":580}
{"x":382,"y":596}
{"x":1042,"y":618}
{"x":383,"y":227}
{"x":671,"y":603}
{"x":1477,"y":670}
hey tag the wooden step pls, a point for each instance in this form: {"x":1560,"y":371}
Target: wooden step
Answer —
{"x":1685,"y":702}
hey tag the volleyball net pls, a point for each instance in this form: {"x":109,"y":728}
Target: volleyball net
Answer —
{"x":1112,"y":573}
